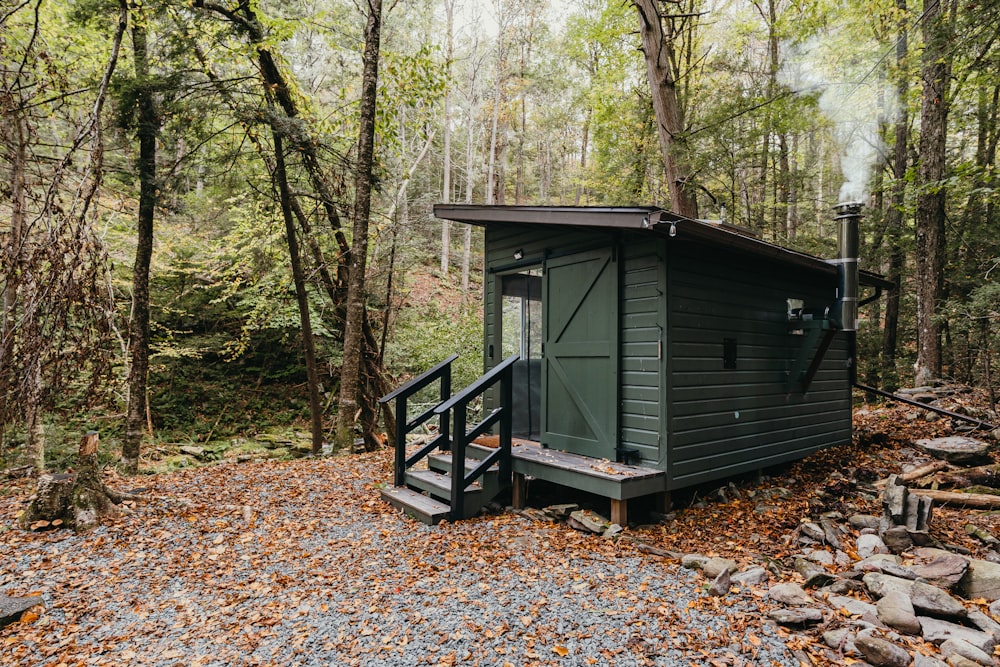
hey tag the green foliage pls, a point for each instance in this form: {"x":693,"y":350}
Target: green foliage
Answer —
{"x":424,"y":338}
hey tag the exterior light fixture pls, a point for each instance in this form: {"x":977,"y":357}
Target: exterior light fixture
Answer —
{"x":519,"y":254}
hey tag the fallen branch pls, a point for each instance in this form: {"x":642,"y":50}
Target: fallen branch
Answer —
{"x":916,"y":473}
{"x":979,"y":476}
{"x":981,"y":501}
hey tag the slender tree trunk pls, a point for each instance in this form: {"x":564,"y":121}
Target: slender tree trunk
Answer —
{"x":16,"y":132}
{"x":148,"y":128}
{"x":584,"y":141}
{"x":894,"y":214}
{"x":350,"y":374}
{"x":449,"y":8}
{"x":657,"y":48}
{"x":280,"y":177}
{"x":935,"y":72}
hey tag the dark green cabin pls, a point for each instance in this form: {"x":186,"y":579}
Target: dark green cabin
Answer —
{"x":685,"y":346}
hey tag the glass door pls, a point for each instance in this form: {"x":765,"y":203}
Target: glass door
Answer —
{"x":521,"y":333}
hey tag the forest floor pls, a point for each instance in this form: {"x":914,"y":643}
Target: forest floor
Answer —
{"x":300,"y":562}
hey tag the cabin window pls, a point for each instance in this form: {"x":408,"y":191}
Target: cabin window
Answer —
{"x":521,"y":306}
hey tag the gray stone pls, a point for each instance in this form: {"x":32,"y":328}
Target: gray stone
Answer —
{"x":840,"y":640}
{"x":881,"y":653}
{"x":881,"y":585}
{"x":920,"y":660}
{"x":897,"y":539}
{"x":721,"y":585}
{"x":813,"y":574}
{"x":854,"y":606}
{"x":995,"y":609}
{"x":753,"y":576}
{"x":694,"y":561}
{"x":981,"y":580}
{"x":613,"y":531}
{"x":937,"y":632}
{"x":869,"y":545}
{"x":963,"y":648}
{"x":841,"y":587}
{"x":955,"y":448}
{"x":899,"y":571}
{"x":799,"y":616}
{"x":191,"y":450}
{"x":821,"y":556}
{"x":862,"y":521}
{"x":896,"y":611}
{"x":831,"y":532}
{"x":12,"y":608}
{"x":812,"y":531}
{"x":894,"y":500}
{"x":876,"y":562}
{"x":714,"y":566}
{"x":933,"y":601}
{"x":985,"y":623}
{"x":939,"y":567}
{"x":789,"y":593}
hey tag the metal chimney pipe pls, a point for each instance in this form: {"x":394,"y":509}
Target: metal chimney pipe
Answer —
{"x":849,"y":219}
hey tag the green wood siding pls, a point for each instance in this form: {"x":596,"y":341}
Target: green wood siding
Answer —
{"x":727,"y":421}
{"x":643,"y":310}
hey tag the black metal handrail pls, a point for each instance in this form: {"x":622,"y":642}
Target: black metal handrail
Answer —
{"x":440,"y":372}
{"x":457,"y":405}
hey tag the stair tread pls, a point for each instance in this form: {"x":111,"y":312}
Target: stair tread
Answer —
{"x":440,"y":483}
{"x":470,"y":463}
{"x":425,"y":508}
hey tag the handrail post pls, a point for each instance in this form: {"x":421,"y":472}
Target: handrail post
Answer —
{"x":506,"y":424}
{"x":458,"y":464}
{"x":445,"y":395}
{"x":399,"y":465}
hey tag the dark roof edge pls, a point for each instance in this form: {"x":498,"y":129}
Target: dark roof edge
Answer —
{"x":645,"y":217}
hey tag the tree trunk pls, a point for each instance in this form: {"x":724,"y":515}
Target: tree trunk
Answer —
{"x":658,"y":48}
{"x":301,"y":296}
{"x":149,"y":124}
{"x":353,"y":335}
{"x":449,"y":8}
{"x":894,"y":215}
{"x":16,"y":133}
{"x":930,"y":227}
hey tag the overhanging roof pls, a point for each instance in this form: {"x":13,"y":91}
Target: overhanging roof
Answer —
{"x":651,"y":219}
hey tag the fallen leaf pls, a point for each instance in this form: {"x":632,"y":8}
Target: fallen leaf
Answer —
{"x":561,"y":651}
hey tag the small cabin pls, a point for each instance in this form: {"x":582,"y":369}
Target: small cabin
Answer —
{"x":660,"y":341}
{"x":641,"y":352}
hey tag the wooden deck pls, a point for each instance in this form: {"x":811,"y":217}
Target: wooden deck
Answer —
{"x":617,"y":481}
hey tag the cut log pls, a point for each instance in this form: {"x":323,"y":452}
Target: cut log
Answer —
{"x":969,"y":500}
{"x":916,"y":473}
{"x":79,"y":501}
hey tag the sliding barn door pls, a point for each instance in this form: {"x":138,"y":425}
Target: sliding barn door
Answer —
{"x":580,"y":356}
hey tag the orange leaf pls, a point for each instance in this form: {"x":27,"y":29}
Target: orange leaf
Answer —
{"x":562,"y":651}
{"x":29,"y":617}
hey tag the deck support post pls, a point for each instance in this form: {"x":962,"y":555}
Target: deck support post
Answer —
{"x":619,"y":512}
{"x":661,"y":502}
{"x":519,"y":491}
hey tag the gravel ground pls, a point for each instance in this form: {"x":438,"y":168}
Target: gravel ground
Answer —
{"x":301,"y":564}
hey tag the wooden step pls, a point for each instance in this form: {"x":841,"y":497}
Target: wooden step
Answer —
{"x":423,"y":508}
{"x":442,"y":463}
{"x":439,"y":486}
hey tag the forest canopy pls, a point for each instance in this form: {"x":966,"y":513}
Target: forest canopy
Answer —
{"x":213,"y":212}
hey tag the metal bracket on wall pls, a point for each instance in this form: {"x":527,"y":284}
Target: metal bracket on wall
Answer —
{"x":819,"y":331}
